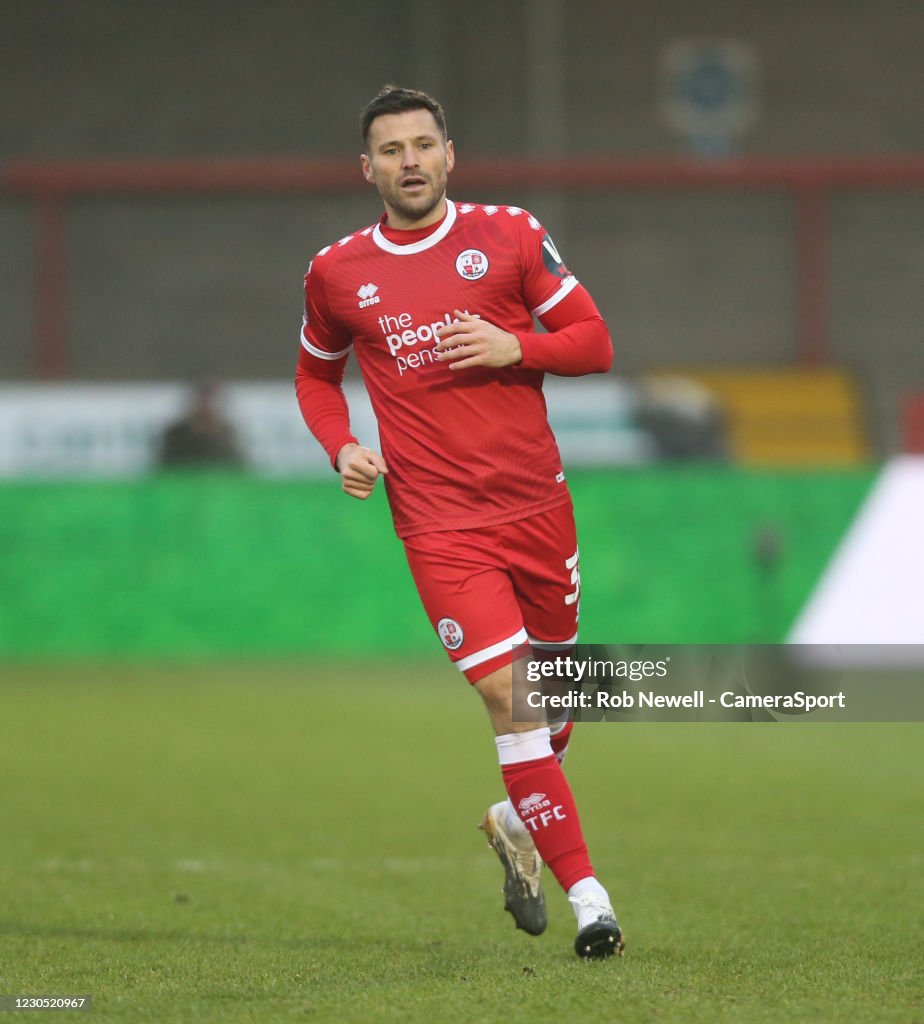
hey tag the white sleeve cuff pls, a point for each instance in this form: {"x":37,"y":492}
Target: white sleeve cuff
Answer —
{"x":320,"y":353}
{"x":567,"y":285}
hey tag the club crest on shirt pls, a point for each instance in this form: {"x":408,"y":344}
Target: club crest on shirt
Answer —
{"x":450,"y":633}
{"x":472,"y":264}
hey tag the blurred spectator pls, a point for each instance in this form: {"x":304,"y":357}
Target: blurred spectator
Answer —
{"x":202,"y":436}
{"x":683,"y":419}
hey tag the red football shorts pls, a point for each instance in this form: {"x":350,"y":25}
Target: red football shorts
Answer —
{"x":490,"y":590}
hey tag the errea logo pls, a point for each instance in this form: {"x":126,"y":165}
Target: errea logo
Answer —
{"x":536,"y":811}
{"x":367,"y":296}
{"x":533,"y":802}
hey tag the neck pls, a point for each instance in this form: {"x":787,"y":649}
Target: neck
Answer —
{"x":400,"y":222}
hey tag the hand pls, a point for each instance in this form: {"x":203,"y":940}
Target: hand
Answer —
{"x":359,"y":469}
{"x":471,"y":341}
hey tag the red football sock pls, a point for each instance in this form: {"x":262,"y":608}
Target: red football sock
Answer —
{"x":542,"y":652}
{"x":539,"y":791}
{"x":559,"y":741}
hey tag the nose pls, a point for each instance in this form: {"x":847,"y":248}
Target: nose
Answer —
{"x":409,"y":156}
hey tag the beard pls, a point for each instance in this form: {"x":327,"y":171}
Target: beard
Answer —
{"x":414,"y":207}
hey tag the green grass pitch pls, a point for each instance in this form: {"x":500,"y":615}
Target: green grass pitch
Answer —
{"x":298,"y":843}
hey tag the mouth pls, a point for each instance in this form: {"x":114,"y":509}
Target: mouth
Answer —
{"x":413,"y":183}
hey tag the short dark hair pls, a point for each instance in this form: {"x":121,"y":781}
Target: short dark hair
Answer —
{"x":392,"y":99}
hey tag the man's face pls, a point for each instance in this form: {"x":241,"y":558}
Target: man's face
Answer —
{"x":408,"y":161}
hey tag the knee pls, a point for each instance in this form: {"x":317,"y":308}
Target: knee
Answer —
{"x":496,"y":690}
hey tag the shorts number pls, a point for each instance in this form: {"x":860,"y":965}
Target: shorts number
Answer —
{"x":572,"y":564}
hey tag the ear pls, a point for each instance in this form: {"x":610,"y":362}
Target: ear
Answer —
{"x":367,"y":168}
{"x":450,"y":155}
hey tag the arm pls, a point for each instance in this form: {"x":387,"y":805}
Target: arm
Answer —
{"x":319,"y":390}
{"x":318,"y":387}
{"x":577,"y":343}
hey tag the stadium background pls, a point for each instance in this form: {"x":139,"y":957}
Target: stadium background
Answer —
{"x":174,"y":281}
{"x":169,"y":168}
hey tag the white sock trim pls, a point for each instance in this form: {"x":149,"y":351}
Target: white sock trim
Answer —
{"x":517,"y":747}
{"x":588,"y":884}
{"x":589,"y":900}
{"x":511,"y":821}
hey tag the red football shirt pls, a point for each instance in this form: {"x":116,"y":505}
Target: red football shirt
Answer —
{"x":464,"y":448}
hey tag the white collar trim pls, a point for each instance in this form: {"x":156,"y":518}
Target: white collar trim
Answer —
{"x":425,"y":243}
